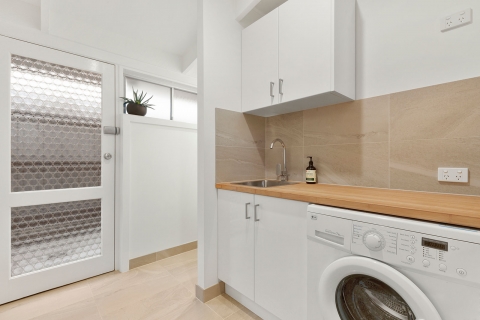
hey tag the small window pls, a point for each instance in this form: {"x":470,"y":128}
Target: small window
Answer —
{"x":161,"y":97}
{"x":184,"y":106}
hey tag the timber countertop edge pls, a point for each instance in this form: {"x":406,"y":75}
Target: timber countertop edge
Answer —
{"x":463,"y":210}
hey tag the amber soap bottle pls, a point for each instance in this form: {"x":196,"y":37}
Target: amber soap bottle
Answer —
{"x":311,"y":173}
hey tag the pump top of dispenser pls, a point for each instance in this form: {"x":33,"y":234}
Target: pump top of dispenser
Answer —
{"x":310,"y":163}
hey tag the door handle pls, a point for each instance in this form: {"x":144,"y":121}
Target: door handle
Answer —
{"x":255,"y":212}
{"x":280,"y":86}
{"x":246,"y":210}
{"x":272,"y":84}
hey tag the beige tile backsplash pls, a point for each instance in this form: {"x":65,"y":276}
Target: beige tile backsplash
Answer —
{"x":393,"y":141}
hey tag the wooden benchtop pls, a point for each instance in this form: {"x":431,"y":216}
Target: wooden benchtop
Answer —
{"x":444,"y":208}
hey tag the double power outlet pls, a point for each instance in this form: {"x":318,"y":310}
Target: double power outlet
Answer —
{"x":456,"y":20}
{"x":459,"y":175}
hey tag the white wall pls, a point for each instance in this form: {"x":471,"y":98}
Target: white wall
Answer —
{"x":219,"y":86}
{"x":20,"y":13}
{"x":21,"y":20}
{"x":163,"y":184}
{"x":400,"y":46}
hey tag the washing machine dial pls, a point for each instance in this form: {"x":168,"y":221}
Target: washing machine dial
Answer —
{"x":374,"y":240}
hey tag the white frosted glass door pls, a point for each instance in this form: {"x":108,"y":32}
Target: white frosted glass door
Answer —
{"x":57,"y":188}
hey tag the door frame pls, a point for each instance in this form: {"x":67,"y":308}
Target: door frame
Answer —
{"x":421,"y":306}
{"x":43,"y":197}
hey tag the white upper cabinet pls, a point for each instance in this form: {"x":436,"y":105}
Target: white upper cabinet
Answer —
{"x":316,"y":57}
{"x":260,"y":63}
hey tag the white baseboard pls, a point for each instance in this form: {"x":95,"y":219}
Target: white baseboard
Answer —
{"x":249,"y":304}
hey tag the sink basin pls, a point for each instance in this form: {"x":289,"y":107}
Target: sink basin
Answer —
{"x":265,"y":183}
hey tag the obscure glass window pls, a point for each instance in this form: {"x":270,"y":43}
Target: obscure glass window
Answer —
{"x":184,"y":106}
{"x":56,"y":120}
{"x":161,"y":97}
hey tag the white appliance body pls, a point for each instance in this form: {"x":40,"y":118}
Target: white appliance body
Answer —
{"x":434,"y":268}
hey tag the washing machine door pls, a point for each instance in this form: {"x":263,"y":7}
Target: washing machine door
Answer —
{"x":358,"y":288}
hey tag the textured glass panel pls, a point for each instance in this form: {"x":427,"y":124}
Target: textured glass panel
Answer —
{"x":44,"y":236}
{"x":161,"y":97}
{"x":185,"y":106}
{"x":56,"y":126}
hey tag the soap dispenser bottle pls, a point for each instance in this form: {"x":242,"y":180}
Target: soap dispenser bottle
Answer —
{"x":311,"y":173}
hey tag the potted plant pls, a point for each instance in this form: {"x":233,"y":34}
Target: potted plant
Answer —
{"x":138,"y":105}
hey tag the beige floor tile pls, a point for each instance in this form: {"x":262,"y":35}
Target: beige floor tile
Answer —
{"x":123,"y":297}
{"x":223,"y":305}
{"x":167,"y":302}
{"x":194,"y":311}
{"x":114,"y":281}
{"x":180,"y":263}
{"x":160,"y":290}
{"x":188,"y":279}
{"x":243,"y":314}
{"x":85,"y":310}
{"x":46,"y":302}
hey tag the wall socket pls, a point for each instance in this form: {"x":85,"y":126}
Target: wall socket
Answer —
{"x":456,"y":20}
{"x":459,"y":175}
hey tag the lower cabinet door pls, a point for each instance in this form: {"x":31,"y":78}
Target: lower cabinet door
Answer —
{"x":281,"y":257}
{"x":236,"y":241}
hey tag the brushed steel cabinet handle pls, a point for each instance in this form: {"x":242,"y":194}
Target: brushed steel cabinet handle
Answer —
{"x":280,"y":86}
{"x":255,"y":212}
{"x":246,"y":210}
{"x":272,"y":84}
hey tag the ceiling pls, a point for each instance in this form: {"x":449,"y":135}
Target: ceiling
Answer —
{"x":166,"y":25}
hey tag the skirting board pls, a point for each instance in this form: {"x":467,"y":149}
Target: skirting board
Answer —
{"x":208,"y":294}
{"x":160,"y":255}
{"x":249,"y":304}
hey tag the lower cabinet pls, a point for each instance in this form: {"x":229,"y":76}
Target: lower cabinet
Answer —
{"x":236,"y":241}
{"x":263,"y":251}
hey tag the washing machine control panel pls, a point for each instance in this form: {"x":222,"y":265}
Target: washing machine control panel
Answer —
{"x":429,"y":253}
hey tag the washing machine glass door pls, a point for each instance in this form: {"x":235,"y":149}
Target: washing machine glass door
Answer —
{"x":360,"y":288}
{"x":361,"y":297}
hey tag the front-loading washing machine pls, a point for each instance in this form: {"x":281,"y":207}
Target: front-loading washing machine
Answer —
{"x":365,"y":266}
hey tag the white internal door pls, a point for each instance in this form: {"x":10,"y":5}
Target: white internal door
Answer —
{"x":57,"y":181}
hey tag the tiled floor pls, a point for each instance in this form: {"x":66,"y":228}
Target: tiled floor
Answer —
{"x":161,"y":290}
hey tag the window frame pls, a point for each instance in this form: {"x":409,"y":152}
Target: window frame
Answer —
{"x":157,"y":81}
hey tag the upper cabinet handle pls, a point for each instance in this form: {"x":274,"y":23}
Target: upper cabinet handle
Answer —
{"x":246,"y":210}
{"x":255,"y":212}
{"x":272,"y":84}
{"x":280,"y":86}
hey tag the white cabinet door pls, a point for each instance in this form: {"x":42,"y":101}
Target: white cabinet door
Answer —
{"x":236,"y":247}
{"x":305,"y":48}
{"x":260,"y":63}
{"x":281,"y":257}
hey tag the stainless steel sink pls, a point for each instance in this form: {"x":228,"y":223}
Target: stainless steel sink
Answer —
{"x":265,"y":183}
